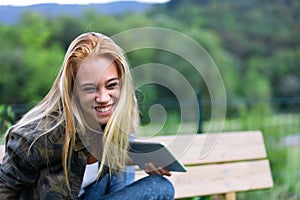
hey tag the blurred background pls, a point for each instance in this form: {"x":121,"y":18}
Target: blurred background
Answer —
{"x":255,"y":45}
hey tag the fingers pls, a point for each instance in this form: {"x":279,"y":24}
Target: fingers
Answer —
{"x":150,"y":169}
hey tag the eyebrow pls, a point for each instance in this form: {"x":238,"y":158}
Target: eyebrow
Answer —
{"x":113,"y":79}
{"x":93,"y":84}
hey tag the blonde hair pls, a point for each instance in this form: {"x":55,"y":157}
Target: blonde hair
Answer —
{"x":60,"y":102}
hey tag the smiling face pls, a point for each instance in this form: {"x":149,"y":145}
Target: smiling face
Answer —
{"x":98,"y":88}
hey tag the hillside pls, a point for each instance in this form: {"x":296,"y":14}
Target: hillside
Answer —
{"x":11,"y":14}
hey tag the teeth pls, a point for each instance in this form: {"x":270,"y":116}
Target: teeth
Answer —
{"x":105,"y":109}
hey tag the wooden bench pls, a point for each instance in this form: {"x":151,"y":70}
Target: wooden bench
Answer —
{"x":237,"y":162}
{"x":2,"y":149}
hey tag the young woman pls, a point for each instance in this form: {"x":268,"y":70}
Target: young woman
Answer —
{"x":73,"y":144}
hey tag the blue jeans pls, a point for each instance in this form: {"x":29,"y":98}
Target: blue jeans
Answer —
{"x":153,"y":187}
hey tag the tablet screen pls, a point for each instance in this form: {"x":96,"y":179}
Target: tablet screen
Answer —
{"x":156,"y":153}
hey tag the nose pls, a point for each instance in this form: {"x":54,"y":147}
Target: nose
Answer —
{"x":102,"y":96}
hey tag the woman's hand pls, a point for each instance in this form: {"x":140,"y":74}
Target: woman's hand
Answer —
{"x":150,"y":169}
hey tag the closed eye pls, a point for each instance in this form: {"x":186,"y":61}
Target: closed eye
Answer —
{"x":89,"y":89}
{"x":113,"y":85}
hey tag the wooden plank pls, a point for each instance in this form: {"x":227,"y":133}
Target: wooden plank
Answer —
{"x":212,"y":148}
{"x":220,"y":178}
{"x":225,"y":147}
{"x":2,"y":151}
{"x":230,"y":196}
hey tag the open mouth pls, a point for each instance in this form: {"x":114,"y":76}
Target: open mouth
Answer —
{"x":103,"y":109}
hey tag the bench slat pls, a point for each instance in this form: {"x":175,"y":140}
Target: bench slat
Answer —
{"x":220,"y":178}
{"x":248,"y":145}
{"x":229,"y":147}
{"x":2,"y":151}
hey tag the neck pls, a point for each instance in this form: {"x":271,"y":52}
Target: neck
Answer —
{"x":91,"y":159}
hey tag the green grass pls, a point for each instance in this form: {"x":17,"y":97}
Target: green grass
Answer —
{"x":284,"y":160}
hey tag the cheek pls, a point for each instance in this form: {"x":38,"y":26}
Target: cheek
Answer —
{"x":86,"y":100}
{"x":117,"y":94}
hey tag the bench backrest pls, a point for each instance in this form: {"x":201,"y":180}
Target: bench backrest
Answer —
{"x":218,"y":163}
{"x":2,"y":149}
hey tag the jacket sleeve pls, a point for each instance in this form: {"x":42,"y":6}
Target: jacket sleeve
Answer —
{"x":19,"y":170}
{"x":26,"y":153}
{"x":33,"y":162}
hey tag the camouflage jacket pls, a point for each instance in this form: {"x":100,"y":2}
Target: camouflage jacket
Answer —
{"x":33,"y":170}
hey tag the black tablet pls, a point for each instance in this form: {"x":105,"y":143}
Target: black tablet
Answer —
{"x":156,"y":153}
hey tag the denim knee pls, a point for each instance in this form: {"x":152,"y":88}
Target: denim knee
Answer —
{"x":164,"y":188}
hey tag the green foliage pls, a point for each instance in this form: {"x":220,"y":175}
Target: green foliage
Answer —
{"x":35,"y":31}
{"x":7,"y":116}
{"x":42,"y":68}
{"x":253,"y":43}
{"x":243,"y":39}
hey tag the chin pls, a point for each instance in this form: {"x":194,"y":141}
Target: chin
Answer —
{"x":101,"y":122}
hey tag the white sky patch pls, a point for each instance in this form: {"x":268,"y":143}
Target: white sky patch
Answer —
{"x":32,"y":2}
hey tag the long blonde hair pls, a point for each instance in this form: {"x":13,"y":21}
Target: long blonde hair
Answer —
{"x":60,"y":100}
